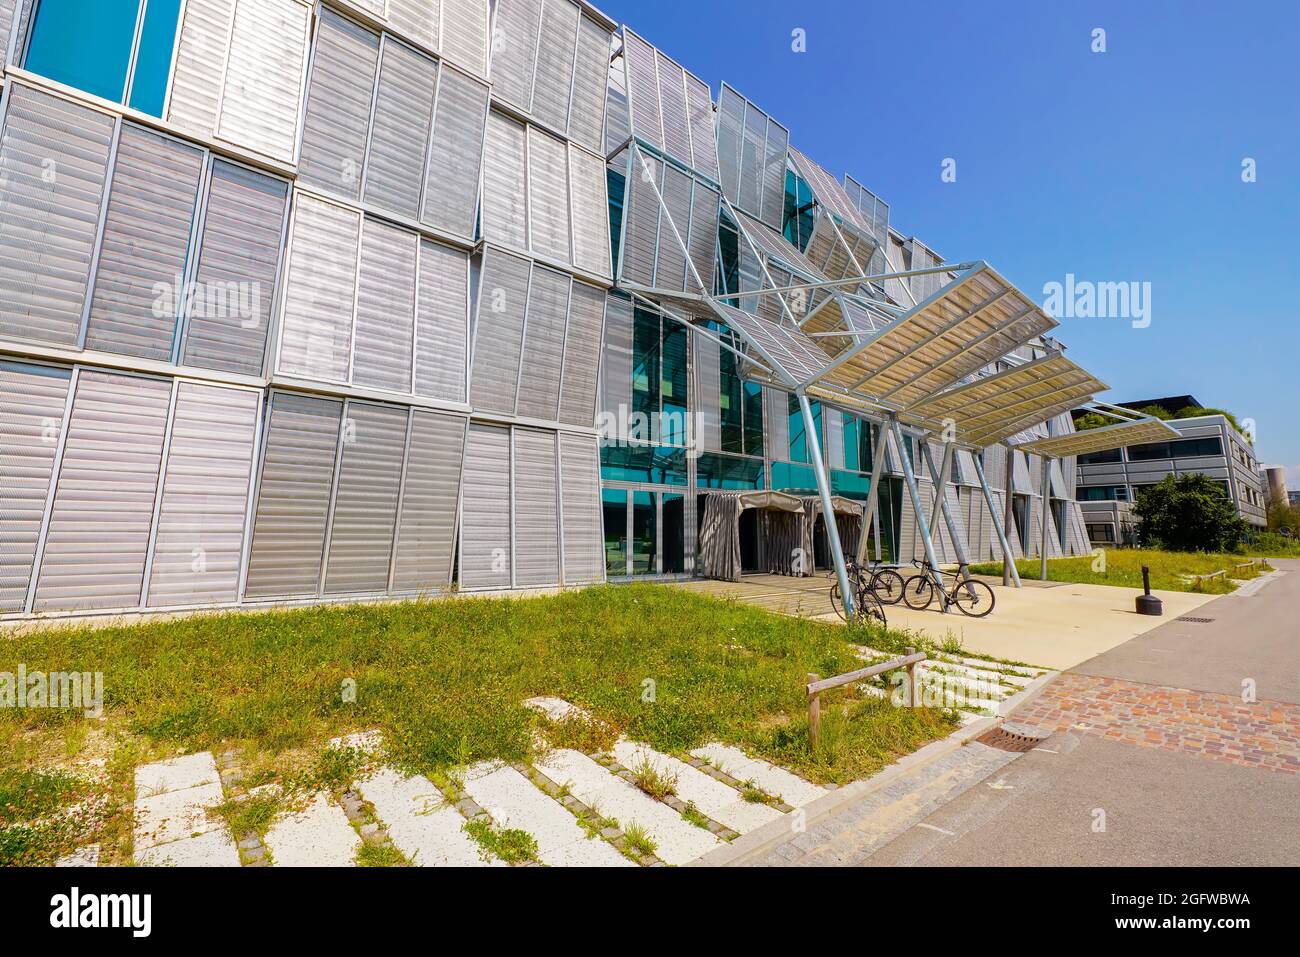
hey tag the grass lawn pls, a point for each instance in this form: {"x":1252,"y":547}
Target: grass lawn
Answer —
{"x":445,"y":681}
{"x":1123,"y":567}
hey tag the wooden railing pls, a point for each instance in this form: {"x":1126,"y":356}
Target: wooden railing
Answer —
{"x":817,"y":685}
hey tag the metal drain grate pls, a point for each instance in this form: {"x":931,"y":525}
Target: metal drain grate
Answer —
{"x":1005,"y":740}
{"x":1195,"y":621}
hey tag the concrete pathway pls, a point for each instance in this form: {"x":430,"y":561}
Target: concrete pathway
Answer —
{"x":172,"y":825}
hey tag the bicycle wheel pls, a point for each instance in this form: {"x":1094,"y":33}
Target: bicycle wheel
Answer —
{"x":870,"y":610}
{"x":887,"y":586}
{"x":837,"y":602}
{"x":918,"y":592}
{"x":973,"y":598}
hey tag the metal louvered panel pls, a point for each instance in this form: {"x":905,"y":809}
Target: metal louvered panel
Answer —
{"x":7,"y":10}
{"x":339,"y":97}
{"x":615,"y":384}
{"x":382,"y":342}
{"x":590,"y":83}
{"x":704,"y":144}
{"x":99,"y":524}
{"x":32,"y":403}
{"x":486,"y":513}
{"x":48,"y":225}
{"x":505,"y":183}
{"x":543,"y":352}
{"x":442,"y":323}
{"x":365,"y":505}
{"x":776,"y":412}
{"x":320,"y":291}
{"x":416,"y":19}
{"x":514,"y":51}
{"x":553,"y":82}
{"x":146,"y":241}
{"x":589,"y":189}
{"x":200,"y":57}
{"x":239,"y":255}
{"x":399,"y":136}
{"x":464,"y":34}
{"x":582,"y":356}
{"x":451,"y":185}
{"x":199,"y":545}
{"x":1020,"y":472}
{"x":775,"y":157}
{"x":703,"y":243}
{"x":536,"y":512}
{"x":676,"y":117}
{"x":674,"y":228}
{"x":499,"y":331}
{"x":584,"y":551}
{"x":294,"y":497}
{"x":262,"y":97}
{"x":731,"y":121}
{"x":617,"y":127}
{"x":641,"y":223}
{"x":753,"y":158}
{"x":835,"y":437}
{"x":548,"y":196}
{"x":643,"y":89}
{"x":426,"y":526}
{"x":708,"y":375}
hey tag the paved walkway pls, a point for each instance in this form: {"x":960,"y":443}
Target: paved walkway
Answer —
{"x":1051,"y":624}
{"x":1180,"y":747}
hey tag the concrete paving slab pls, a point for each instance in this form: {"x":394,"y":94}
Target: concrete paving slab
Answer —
{"x":515,"y":802}
{"x":176,"y":774}
{"x":214,"y":849}
{"x":713,"y":798}
{"x":420,"y":822}
{"x":87,"y":856}
{"x":317,"y":836}
{"x":677,"y":840}
{"x":174,"y":815}
{"x":790,"y":788}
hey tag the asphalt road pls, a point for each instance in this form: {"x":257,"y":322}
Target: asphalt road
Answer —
{"x":1083,"y":798}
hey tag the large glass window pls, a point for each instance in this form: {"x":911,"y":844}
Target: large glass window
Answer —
{"x":651,"y":465}
{"x":793,"y":478}
{"x":858,"y":444}
{"x":740,"y":402}
{"x":644,"y":533}
{"x":120,"y":50}
{"x":617,"y":187}
{"x":1101,"y":458}
{"x":674,"y":533}
{"x":728,"y":472}
{"x":799,"y":205}
{"x":614,"y":509}
{"x":659,"y":376}
{"x":672,"y":388}
{"x":799,"y":448}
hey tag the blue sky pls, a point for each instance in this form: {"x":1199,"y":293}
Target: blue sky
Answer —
{"x":1117,"y":166}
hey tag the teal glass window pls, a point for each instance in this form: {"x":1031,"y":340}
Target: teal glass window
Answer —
{"x":793,"y":478}
{"x":753,"y":418}
{"x":674,"y":533}
{"x":852,"y":485}
{"x":799,"y":204}
{"x":644,"y":538}
{"x":672,"y":387}
{"x":120,"y":50}
{"x":617,"y":189}
{"x":799,"y":448}
{"x":651,"y":465}
{"x":858,"y":446}
{"x":729,"y":261}
{"x":740,"y":402}
{"x":614,"y":511}
{"x":728,"y":472}
{"x":645,"y":363}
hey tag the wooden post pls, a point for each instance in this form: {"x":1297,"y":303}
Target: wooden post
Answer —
{"x":912,"y":687}
{"x":814,"y":716}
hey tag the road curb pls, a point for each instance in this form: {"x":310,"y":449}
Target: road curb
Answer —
{"x":757,"y":842}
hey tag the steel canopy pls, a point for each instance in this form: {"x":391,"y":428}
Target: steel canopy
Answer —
{"x":1101,"y":439}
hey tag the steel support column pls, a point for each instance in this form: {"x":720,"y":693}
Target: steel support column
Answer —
{"x":941,"y":481}
{"x":873,"y":497}
{"x":1008,"y":560}
{"x":828,"y":507}
{"x":1046,"y":510}
{"x":909,"y":478}
{"x":1009,"y":516}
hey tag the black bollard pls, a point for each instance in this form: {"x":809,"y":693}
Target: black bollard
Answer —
{"x":1147,"y":603}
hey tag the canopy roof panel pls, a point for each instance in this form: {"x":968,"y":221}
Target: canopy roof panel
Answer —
{"x":1004,"y":404}
{"x":790,"y":355}
{"x":1099,"y":440}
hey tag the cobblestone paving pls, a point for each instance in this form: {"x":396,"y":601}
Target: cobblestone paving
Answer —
{"x":1217,"y":727}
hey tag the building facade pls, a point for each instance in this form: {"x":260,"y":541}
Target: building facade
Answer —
{"x":1209,"y":445}
{"x":315,"y":301}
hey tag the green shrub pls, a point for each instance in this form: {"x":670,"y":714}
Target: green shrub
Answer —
{"x":1189,"y":513}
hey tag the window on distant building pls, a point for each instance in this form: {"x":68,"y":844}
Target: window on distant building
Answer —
{"x":120,"y":50}
{"x":1101,"y":458}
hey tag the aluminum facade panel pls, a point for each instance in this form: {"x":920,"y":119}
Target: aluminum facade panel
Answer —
{"x":590,"y":82}
{"x":399,"y":136}
{"x":708,"y":394}
{"x":505,"y":182}
{"x":293,"y":497}
{"x":616,"y":359}
{"x":239,"y":255}
{"x":487,"y":517}
{"x":340,"y":95}
{"x":196,"y":84}
{"x":442,"y":323}
{"x":465,"y":33}
{"x":455,"y":163}
{"x":54,"y":162}
{"x":537,"y":509}
{"x":151,"y":206}
{"x":543,"y":353}
{"x":515,"y":30}
{"x":583,"y":541}
{"x":365,"y":504}
{"x":556,"y":46}
{"x":426,"y":526}
{"x":32,"y":403}
{"x":674,"y":230}
{"x":582,"y":356}
{"x":641,"y":221}
{"x":775,"y":156}
{"x":548,"y":196}
{"x":588,"y":187}
{"x":704,"y":144}
{"x":386,"y":292}
{"x":416,"y":19}
{"x":262,"y":97}
{"x":199,"y":544}
{"x":703,"y":242}
{"x":675,"y":114}
{"x":320,"y":291}
{"x":499,"y":331}
{"x":99,"y":524}
{"x":643,"y":89}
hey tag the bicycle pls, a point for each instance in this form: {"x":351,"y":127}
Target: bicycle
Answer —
{"x":973,"y":598}
{"x":868,"y":606}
